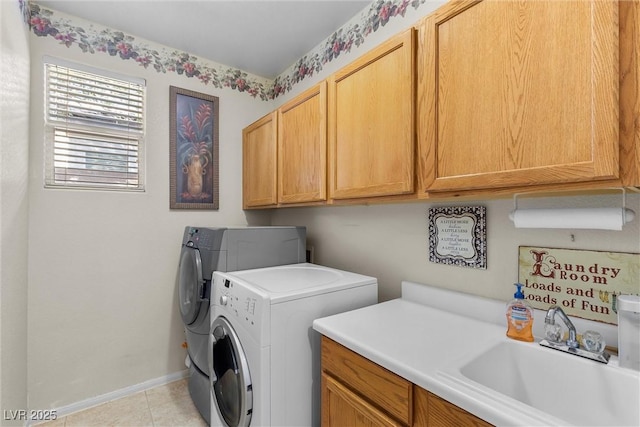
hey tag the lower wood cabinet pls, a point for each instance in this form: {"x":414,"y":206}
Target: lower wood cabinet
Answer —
{"x":357,"y":392}
{"x":343,"y":407}
{"x":433,"y":411}
{"x":366,"y":381}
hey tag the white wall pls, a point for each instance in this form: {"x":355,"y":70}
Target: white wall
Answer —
{"x":14,"y":163}
{"x":391,"y":242}
{"x":103,"y":313}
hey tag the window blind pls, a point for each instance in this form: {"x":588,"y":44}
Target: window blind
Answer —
{"x":95,"y":129}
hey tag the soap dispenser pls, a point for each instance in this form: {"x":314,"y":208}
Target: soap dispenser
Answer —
{"x":519,"y":317}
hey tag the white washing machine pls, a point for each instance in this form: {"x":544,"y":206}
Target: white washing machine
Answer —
{"x":264,"y":356}
{"x":205,"y":250}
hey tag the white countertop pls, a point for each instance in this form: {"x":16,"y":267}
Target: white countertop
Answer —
{"x":418,"y":342}
{"x":410,"y":339}
{"x":415,"y":342}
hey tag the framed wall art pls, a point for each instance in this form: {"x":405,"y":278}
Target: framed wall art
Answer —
{"x":194,"y":177}
{"x":458,"y":236}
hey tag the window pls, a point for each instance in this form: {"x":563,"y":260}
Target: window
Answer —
{"x":94,"y":124}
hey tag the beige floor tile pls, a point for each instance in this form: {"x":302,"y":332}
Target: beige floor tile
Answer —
{"x":171,"y":392}
{"x":180,"y":412}
{"x":167,"y":405}
{"x":129,"y":411}
{"x":55,"y":423}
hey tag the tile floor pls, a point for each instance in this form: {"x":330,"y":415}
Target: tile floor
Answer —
{"x":167,"y":405}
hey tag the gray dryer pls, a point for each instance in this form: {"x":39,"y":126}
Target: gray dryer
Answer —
{"x":205,"y":250}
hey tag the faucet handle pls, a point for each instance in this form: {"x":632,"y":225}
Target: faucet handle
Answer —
{"x":553,"y":332}
{"x":593,"y":341}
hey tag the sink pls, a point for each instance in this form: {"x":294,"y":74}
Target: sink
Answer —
{"x":571,"y":389}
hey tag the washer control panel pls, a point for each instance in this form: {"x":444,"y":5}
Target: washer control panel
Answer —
{"x":239,"y":303}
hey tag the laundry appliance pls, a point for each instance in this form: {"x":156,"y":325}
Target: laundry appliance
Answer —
{"x":205,"y":250}
{"x":264,"y":354}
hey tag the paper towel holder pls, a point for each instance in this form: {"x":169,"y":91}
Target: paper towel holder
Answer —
{"x":572,"y":218}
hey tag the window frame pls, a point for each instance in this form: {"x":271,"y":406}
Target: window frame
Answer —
{"x":95,"y":131}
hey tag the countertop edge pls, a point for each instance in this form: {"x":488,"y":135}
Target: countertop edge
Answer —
{"x":431,"y":379}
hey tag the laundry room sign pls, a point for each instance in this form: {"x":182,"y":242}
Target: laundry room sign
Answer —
{"x":584,"y":283}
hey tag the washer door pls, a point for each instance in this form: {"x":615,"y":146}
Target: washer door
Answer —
{"x":190,"y":285}
{"x":230,"y":378}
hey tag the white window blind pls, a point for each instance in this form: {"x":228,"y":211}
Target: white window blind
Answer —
{"x":95,"y":129}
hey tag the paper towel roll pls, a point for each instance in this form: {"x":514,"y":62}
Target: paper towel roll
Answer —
{"x":590,"y":218}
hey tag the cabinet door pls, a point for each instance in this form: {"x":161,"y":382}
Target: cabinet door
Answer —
{"x":514,"y":93}
{"x":302,"y":147}
{"x":259,"y":152}
{"x":342,"y":407}
{"x":371,"y":122}
{"x":630,"y":93}
{"x":433,"y":411}
{"x":383,"y":388}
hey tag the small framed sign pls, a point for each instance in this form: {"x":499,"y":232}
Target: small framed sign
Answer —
{"x":458,"y":236}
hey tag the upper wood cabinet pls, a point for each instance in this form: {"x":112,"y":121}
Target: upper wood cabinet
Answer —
{"x":302,"y":147}
{"x":259,"y":151}
{"x":371,"y":122}
{"x":503,"y":96}
{"x":514,"y":93}
{"x":630,"y":93}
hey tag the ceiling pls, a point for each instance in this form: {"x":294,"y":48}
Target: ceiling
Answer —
{"x":262,"y":37}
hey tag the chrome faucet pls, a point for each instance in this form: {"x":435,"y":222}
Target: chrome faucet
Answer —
{"x":571,"y":346}
{"x":549,"y":319}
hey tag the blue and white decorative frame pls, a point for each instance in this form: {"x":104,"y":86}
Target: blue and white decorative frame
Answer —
{"x":458,"y":236}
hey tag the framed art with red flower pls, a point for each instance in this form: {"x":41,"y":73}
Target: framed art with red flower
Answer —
{"x":193,"y":119}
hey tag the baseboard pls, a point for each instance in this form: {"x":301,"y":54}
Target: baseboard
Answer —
{"x":63,"y":411}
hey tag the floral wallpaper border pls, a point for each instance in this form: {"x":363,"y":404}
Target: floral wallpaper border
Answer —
{"x":92,"y":40}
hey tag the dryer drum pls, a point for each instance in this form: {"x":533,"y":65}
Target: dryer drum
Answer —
{"x":191,"y":285}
